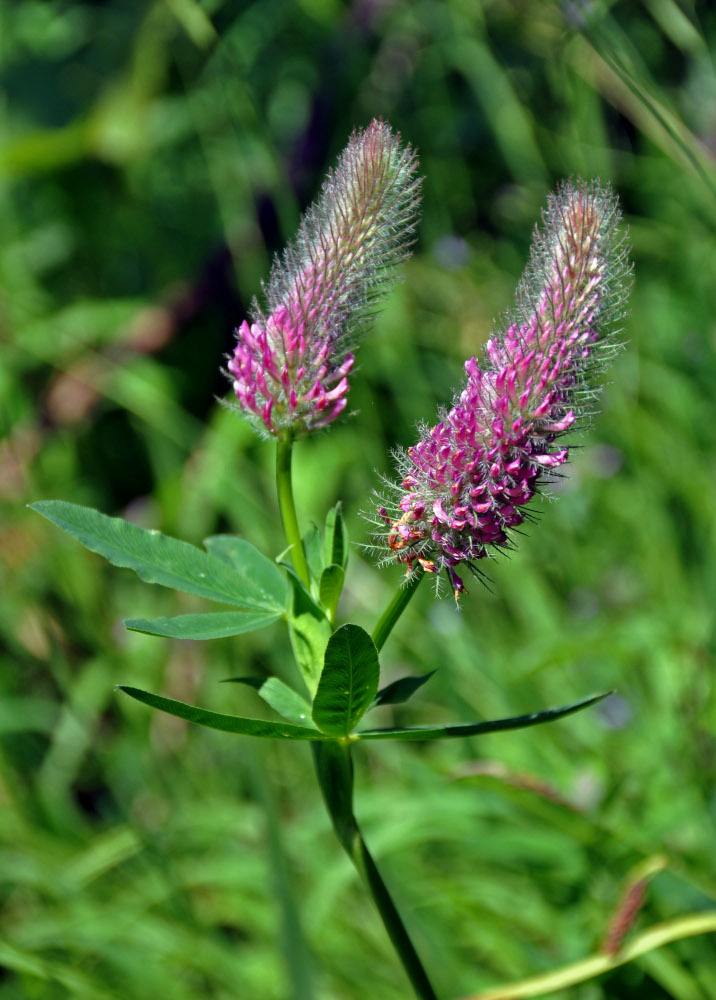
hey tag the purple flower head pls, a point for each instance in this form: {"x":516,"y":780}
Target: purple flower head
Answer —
{"x":291,"y":364}
{"x":465,"y":484}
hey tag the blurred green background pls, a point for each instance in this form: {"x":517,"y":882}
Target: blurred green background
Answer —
{"x":153,"y":157}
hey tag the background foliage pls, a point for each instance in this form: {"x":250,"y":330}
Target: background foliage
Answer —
{"x":153,"y":157}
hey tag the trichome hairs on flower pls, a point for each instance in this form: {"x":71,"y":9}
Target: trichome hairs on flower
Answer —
{"x":464,"y":486}
{"x":291,"y":364}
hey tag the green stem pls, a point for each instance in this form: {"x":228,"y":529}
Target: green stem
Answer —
{"x":393,"y":923}
{"x":288,"y":508}
{"x":397,"y":606}
{"x":334,"y":768}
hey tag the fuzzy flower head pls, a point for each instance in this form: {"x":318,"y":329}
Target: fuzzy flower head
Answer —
{"x":291,"y":364}
{"x":465,"y":484}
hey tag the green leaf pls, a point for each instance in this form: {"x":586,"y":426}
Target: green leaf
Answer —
{"x":287,"y":702}
{"x":254,"y":682}
{"x":224,"y":723}
{"x":282,"y":698}
{"x":331,"y":587}
{"x":349,"y":681}
{"x":309,"y":638}
{"x":309,"y":631}
{"x":402,"y":689}
{"x":478,"y":728}
{"x":157,"y":558}
{"x":336,"y":538}
{"x":213,"y":625}
{"x":302,"y":602}
{"x":262,"y":572}
{"x":312,"y":548}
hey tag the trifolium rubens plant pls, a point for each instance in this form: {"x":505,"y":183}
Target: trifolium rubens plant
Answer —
{"x":462,"y":490}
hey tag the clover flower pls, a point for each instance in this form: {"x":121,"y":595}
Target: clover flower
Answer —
{"x":291,"y":364}
{"x":465,"y":484}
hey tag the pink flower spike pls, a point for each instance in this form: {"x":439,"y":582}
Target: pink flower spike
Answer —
{"x":465,"y":482}
{"x":297,"y":352}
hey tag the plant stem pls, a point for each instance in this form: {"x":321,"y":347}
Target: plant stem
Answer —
{"x":397,"y":606}
{"x":334,"y":768}
{"x":333,"y":761}
{"x":393,"y":923}
{"x":288,"y":508}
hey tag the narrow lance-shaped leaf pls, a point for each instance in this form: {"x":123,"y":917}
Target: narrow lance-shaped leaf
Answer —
{"x":479,"y":728}
{"x":282,"y":698}
{"x":349,"y":681}
{"x":224,"y":723}
{"x":309,"y":631}
{"x":402,"y":689}
{"x":212,"y":625}
{"x":313,"y":550}
{"x":309,"y":637}
{"x":331,"y":587}
{"x":157,"y":558}
{"x":336,"y":537}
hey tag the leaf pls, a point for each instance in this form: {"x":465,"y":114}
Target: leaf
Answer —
{"x":312,"y":548}
{"x":401,"y":690}
{"x":331,"y":587}
{"x":213,"y":625}
{"x":287,"y":702}
{"x":254,"y":682}
{"x":349,"y":681}
{"x":157,"y":558}
{"x":248,"y":562}
{"x":309,"y":631}
{"x":336,"y":538}
{"x":224,"y":723}
{"x":309,"y":638}
{"x":282,"y":698}
{"x":477,"y":728}
{"x":302,"y":602}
